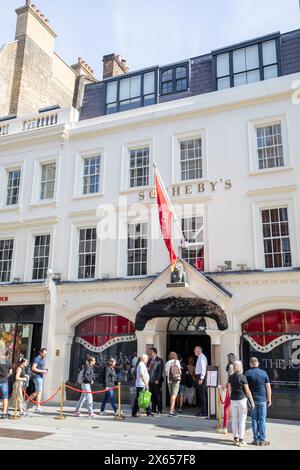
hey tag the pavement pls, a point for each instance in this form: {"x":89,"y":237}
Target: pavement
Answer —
{"x":186,"y":432}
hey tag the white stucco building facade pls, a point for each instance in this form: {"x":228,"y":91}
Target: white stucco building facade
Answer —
{"x":232,"y":200}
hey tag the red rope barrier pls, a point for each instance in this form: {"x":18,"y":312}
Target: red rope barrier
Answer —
{"x":42,"y":402}
{"x":220,"y":396}
{"x":92,"y":393}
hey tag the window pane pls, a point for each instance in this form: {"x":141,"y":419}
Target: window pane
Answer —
{"x":135,"y":86}
{"x":252,"y":60}
{"x":239,"y":61}
{"x":149,"y":83}
{"x":223,"y":83}
{"x":240,"y":79}
{"x":269,"y":52}
{"x":167,"y":75}
{"x":222,"y":65}
{"x":125,"y":89}
{"x":111,"y":92}
{"x":271,"y":72}
{"x":181,"y":72}
{"x":253,"y":76}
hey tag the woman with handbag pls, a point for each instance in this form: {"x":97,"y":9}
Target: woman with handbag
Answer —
{"x":21,"y":382}
{"x":142,"y":384}
{"x":239,"y":394}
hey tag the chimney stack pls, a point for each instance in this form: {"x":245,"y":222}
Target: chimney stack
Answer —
{"x":114,"y":65}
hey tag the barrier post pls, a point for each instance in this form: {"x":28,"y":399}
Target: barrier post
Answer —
{"x":15,"y":417}
{"x":119,"y":416}
{"x":62,"y":398}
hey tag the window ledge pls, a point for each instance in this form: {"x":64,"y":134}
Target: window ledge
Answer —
{"x":271,"y":170}
{"x":189,"y":182}
{"x":137,"y":189}
{"x":87,"y":196}
{"x":11,"y":209}
{"x":45,"y":203}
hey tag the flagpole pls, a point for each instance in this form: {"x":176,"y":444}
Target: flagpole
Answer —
{"x":156,"y":171}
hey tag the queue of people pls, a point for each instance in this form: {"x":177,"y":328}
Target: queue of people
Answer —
{"x":243,"y":392}
{"x":20,"y":376}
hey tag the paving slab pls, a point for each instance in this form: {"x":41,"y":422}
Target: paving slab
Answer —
{"x":186,"y":432}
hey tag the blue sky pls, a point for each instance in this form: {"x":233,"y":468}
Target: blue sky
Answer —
{"x":153,"y":32}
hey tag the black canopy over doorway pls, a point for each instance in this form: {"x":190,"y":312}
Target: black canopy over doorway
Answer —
{"x":181,"y":307}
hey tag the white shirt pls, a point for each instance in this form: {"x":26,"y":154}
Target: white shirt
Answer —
{"x":141,"y":371}
{"x":168,"y":366}
{"x":201,"y":366}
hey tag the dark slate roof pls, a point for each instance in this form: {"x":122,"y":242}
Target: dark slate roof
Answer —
{"x":201,"y":78}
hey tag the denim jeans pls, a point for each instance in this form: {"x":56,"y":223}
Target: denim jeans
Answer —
{"x":86,"y":397}
{"x":109,"y":395}
{"x":38,"y":383}
{"x":259,"y":416}
{"x":4,"y":391}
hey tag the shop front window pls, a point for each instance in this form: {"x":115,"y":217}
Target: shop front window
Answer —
{"x":16,"y":339}
{"x":274,"y":338}
{"x":103,"y":337}
{"x":7,"y":336}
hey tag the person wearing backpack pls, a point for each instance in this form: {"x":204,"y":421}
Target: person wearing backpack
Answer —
{"x":141,"y":383}
{"x":173,"y":374}
{"x":86,"y":379}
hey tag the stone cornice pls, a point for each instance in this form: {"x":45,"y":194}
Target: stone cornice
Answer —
{"x":273,"y":190}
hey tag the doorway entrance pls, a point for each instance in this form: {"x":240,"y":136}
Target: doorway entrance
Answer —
{"x":185,"y":333}
{"x":184,"y":344}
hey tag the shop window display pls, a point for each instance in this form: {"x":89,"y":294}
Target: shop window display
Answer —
{"x":103,"y":337}
{"x":274,"y":338}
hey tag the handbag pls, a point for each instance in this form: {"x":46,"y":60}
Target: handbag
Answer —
{"x":144,"y":399}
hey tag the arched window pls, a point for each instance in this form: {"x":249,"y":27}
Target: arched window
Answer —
{"x":274,"y":338}
{"x":103,"y":337}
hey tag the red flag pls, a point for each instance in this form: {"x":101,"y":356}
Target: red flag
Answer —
{"x":165,"y":218}
{"x":199,"y":264}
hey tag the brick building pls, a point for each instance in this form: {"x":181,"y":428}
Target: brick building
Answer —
{"x":32,"y":75}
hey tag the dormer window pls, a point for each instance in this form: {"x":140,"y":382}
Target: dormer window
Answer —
{"x":174,"y":79}
{"x":249,"y":64}
{"x":130,"y":92}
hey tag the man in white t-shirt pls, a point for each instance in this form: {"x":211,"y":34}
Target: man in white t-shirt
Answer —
{"x":141,"y":383}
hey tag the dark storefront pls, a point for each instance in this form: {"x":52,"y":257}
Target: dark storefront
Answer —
{"x":21,"y":329}
{"x":274,"y":338}
{"x":103,"y":337}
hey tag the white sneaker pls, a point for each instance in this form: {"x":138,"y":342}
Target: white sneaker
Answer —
{"x":223,"y":431}
{"x":39,"y":410}
{"x":101,"y":413}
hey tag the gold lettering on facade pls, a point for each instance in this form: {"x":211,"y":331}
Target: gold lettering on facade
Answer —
{"x":201,"y":188}
{"x":213,"y":186}
{"x":176,"y":191}
{"x":188,"y":189}
{"x":228,"y":184}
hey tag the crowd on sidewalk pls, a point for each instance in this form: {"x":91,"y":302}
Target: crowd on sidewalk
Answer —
{"x":242,"y":392}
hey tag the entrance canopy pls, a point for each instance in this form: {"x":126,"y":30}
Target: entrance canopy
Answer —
{"x":181,"y":307}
